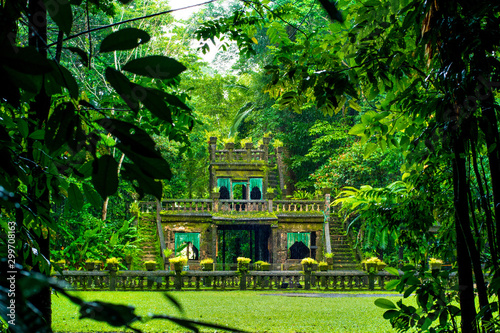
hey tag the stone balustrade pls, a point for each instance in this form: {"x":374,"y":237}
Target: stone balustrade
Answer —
{"x":223,"y":280}
{"x":289,"y":206}
{"x":209,"y":205}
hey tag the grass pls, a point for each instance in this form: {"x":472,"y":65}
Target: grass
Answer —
{"x":246,"y":310}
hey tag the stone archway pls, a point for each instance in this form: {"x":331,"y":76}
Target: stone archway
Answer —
{"x":299,"y":251}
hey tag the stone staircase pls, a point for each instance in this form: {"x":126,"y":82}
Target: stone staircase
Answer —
{"x":344,"y":257}
{"x":147,"y":234}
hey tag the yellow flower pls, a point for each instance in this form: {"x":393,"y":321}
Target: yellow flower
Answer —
{"x":308,"y":261}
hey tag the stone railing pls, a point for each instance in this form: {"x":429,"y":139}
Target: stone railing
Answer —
{"x":188,"y":205}
{"x":285,"y":206}
{"x":239,"y":155}
{"x":224,"y":280}
{"x":209,"y":205}
{"x":242,"y":205}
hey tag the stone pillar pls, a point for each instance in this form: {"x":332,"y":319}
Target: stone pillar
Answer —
{"x":328,"y":245}
{"x":214,"y":242}
{"x":229,"y":147}
{"x":274,"y":244}
{"x":248,"y":147}
{"x":266,"y":141}
{"x":212,"y":147}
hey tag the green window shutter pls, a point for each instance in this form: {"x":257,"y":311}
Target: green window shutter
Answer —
{"x":224,"y":182}
{"x":256,"y":182}
{"x":292,"y":237}
{"x":186,"y":237}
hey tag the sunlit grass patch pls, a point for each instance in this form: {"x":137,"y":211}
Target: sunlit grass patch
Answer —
{"x":251,"y":311}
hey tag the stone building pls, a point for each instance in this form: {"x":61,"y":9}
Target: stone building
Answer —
{"x":242,"y":182}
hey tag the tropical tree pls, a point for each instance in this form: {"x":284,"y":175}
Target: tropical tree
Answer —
{"x":428,"y":73}
{"x":55,"y":134}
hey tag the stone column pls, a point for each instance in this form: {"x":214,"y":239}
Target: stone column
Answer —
{"x":266,"y":141}
{"x":212,"y":147}
{"x":214,"y":242}
{"x":328,"y":245}
{"x":248,"y":147}
{"x":274,"y":244}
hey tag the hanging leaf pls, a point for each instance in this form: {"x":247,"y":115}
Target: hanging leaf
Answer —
{"x":156,"y":67}
{"x":75,"y":197}
{"x":82,"y":54}
{"x":105,"y":176}
{"x":130,"y":135}
{"x":92,"y":196}
{"x":146,"y":184}
{"x":153,"y":100}
{"x":124,"y":39}
{"x":60,"y":11}
{"x":122,"y":86}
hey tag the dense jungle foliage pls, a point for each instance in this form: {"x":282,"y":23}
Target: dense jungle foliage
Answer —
{"x":393,"y":104}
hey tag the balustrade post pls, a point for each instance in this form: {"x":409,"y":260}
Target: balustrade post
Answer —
{"x":178,"y":280}
{"x":371,"y":281}
{"x":112,"y":280}
{"x":243,"y":280}
{"x":307,"y":279}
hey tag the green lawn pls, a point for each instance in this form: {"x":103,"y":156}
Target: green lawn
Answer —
{"x":249,"y":310}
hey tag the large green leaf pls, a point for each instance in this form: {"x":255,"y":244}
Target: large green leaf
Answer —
{"x":122,"y":86}
{"x":124,"y":39}
{"x":146,"y":183}
{"x":60,"y":11}
{"x":153,"y":100}
{"x":92,"y":196}
{"x":65,"y":79}
{"x":27,"y":60}
{"x":105,"y":176}
{"x":156,"y":67}
{"x":75,"y":197}
{"x":130,"y":136}
{"x":82,"y":54}
{"x":153,"y":166}
{"x":60,"y":126}
{"x":384,"y":303}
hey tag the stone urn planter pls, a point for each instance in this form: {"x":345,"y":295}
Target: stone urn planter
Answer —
{"x":436,"y":266}
{"x":326,"y":190}
{"x":371,"y":267}
{"x":229,"y":145}
{"x":112,"y":267}
{"x":249,"y":145}
{"x":323,"y":268}
{"x":265,"y":267}
{"x":381,"y":266}
{"x":214,"y":195}
{"x":97,"y":265}
{"x":208,"y":267}
{"x":243,"y":264}
{"x":89,"y":266}
{"x":150,"y":266}
{"x":308,"y":267}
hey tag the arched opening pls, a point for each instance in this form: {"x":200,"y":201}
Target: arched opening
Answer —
{"x":190,"y":251}
{"x":299,"y":251}
{"x":224,"y":193}
{"x":255,"y":194}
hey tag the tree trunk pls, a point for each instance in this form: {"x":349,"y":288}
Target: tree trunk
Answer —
{"x":104,"y":212}
{"x":38,"y":191}
{"x":466,"y":283}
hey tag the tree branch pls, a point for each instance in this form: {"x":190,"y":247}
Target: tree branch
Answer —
{"x":131,"y":20}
